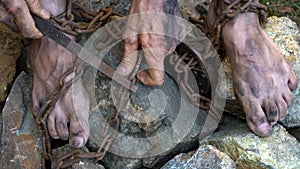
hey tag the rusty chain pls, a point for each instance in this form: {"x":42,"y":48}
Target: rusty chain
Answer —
{"x":91,"y":20}
{"x":182,"y":71}
{"x":234,"y":7}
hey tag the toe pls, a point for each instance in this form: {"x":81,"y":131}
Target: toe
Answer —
{"x":130,"y":56}
{"x":51,"y":127}
{"x":62,"y":129}
{"x":282,"y":108}
{"x":293,"y":82}
{"x":257,"y":120}
{"x":288,"y":97}
{"x":78,"y":141}
{"x":271,"y":111}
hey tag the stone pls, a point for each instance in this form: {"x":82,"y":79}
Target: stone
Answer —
{"x":155,"y":123}
{"x":206,"y":156}
{"x":285,"y":34}
{"x":87,"y":164}
{"x":81,"y":164}
{"x":193,"y":8}
{"x":280,"y":150}
{"x":21,"y":145}
{"x":1,"y":108}
{"x":10,"y":47}
{"x":295,"y":132}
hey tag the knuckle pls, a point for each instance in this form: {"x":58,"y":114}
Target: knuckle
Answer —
{"x":15,"y":9}
{"x":131,"y":40}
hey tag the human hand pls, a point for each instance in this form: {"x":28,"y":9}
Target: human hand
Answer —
{"x":148,"y":25}
{"x":16,"y":15}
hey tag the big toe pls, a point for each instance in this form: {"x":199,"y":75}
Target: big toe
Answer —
{"x":78,"y":141}
{"x":264,"y":130}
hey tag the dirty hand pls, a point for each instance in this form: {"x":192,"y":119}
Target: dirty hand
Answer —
{"x":16,"y":15}
{"x":148,"y":25}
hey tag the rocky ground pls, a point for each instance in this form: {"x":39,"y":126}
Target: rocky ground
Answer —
{"x":166,"y":145}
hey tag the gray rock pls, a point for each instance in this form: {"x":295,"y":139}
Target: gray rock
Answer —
{"x":21,"y":145}
{"x":156,"y":122}
{"x":205,"y":157}
{"x":285,"y":34}
{"x":10,"y":47}
{"x":143,"y":132}
{"x":81,"y":164}
{"x":280,"y":150}
{"x":87,"y":164}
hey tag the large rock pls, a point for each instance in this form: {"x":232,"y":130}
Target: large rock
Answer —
{"x":285,"y":34}
{"x":205,"y":156}
{"x":81,"y":164}
{"x":21,"y":145}
{"x":156,"y":123}
{"x":10,"y":47}
{"x":280,"y":150}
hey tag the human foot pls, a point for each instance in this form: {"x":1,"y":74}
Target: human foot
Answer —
{"x":263,"y":79}
{"x":69,"y":118}
{"x":148,"y":26}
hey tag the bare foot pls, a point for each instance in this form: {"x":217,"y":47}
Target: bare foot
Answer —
{"x":69,"y":118}
{"x":149,"y":30}
{"x":263,"y":79}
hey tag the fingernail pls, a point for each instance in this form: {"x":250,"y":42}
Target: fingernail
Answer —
{"x":45,"y":14}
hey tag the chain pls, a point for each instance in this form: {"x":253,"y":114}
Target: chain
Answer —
{"x":182,"y":78}
{"x":66,"y":22}
{"x":234,"y":7}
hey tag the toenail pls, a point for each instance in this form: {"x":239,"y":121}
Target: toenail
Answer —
{"x":55,"y":137}
{"x":77,"y":142}
{"x":264,"y":130}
